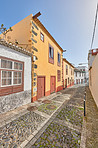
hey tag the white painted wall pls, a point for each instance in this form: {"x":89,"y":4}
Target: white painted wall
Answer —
{"x":78,"y":77}
{"x":12,"y":54}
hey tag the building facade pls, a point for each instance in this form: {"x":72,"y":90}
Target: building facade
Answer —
{"x":79,"y":76}
{"x":68,"y":74}
{"x":93,"y":73}
{"x":84,"y":70}
{"x":47,"y":55}
{"x":15,"y":76}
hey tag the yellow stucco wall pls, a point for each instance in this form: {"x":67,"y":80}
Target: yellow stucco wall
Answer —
{"x":69,"y":73}
{"x":44,"y":67}
{"x":22,"y":32}
{"x":93,"y":79}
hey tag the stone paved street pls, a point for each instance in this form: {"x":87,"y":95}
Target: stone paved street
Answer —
{"x":64,"y":130}
{"x":19,"y":126}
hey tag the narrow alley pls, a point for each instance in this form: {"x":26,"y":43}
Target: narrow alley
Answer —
{"x":64,"y":129}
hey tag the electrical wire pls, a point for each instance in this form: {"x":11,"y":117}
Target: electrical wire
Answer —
{"x":94,"y":27}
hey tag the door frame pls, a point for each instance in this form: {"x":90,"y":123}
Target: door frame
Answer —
{"x":38,"y":76}
{"x":55,"y":83}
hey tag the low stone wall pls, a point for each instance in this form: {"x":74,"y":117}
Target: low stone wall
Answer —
{"x":15,"y":100}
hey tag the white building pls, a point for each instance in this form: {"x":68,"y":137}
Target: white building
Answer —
{"x":15,"y":76}
{"x":79,"y":76}
{"x":85,"y":70}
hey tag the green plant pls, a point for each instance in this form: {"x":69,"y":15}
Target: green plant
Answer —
{"x":4,"y":31}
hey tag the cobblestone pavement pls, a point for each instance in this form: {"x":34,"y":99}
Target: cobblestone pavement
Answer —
{"x":64,"y":130}
{"x":19,"y":126}
{"x":91,"y":121}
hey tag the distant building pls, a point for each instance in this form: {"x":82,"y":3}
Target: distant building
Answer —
{"x":93,"y":73}
{"x":68,"y":74}
{"x":84,"y":70}
{"x":79,"y":76}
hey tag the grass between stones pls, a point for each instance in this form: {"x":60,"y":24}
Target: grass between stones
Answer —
{"x":58,"y":136}
{"x":44,"y":108}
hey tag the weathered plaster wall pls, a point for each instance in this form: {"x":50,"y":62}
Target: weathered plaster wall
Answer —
{"x":15,"y":100}
{"x":93,"y":79}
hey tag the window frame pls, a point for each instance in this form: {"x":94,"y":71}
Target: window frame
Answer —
{"x":13,"y":88}
{"x":58,"y":62}
{"x":51,"y":59}
{"x":66,"y":69}
{"x":71,"y":71}
{"x":76,"y":74}
{"x":58,"y":75}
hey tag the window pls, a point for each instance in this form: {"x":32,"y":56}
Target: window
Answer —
{"x":59,"y":59}
{"x":71,"y":71}
{"x":6,"y":64}
{"x":76,"y":74}
{"x":6,"y":78}
{"x":17,"y":66}
{"x":66,"y":69}
{"x":17,"y":78}
{"x":51,"y":54}
{"x":68,"y":80}
{"x":83,"y":69}
{"x":80,"y":74}
{"x":58,"y":75}
{"x":11,"y":76}
{"x":42,"y":37}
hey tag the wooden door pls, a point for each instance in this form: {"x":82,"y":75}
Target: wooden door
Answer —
{"x":40,"y":86}
{"x":52,"y":84}
{"x":65,"y":83}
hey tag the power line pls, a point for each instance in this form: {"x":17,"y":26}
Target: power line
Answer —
{"x":94,"y":27}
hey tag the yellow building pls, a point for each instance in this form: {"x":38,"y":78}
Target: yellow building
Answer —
{"x":47,"y":74}
{"x":68,"y":74}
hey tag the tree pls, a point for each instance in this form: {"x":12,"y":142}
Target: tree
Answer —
{"x":4,"y":31}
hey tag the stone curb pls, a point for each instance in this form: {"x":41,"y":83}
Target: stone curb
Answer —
{"x":83,"y":134}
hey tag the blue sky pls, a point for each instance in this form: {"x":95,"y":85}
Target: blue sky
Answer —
{"x":70,"y":22}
